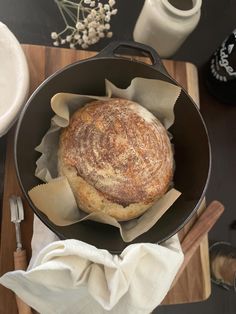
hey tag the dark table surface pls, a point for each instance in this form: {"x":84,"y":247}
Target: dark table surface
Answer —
{"x":32,"y":21}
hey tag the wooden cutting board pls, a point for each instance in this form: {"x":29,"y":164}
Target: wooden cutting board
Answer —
{"x":194,"y":283}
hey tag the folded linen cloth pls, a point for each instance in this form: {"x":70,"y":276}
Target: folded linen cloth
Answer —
{"x":74,"y":277}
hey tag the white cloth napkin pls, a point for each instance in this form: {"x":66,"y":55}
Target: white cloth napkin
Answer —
{"x":74,"y":277}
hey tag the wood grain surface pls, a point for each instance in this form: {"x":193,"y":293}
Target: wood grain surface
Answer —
{"x":194,"y":283}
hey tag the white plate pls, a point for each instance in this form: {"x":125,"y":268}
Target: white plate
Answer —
{"x":14,"y":79}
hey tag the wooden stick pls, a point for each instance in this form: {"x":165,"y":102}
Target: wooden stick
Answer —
{"x":20,"y":262}
{"x":201,"y":227}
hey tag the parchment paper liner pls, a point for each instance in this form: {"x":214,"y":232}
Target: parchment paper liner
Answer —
{"x":56,"y":199}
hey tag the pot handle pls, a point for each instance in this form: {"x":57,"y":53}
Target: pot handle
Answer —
{"x":110,"y":51}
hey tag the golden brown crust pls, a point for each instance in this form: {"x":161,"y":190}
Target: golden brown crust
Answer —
{"x":91,"y":200}
{"x":117,"y":152}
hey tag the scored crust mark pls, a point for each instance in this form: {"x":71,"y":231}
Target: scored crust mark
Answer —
{"x":119,"y":148}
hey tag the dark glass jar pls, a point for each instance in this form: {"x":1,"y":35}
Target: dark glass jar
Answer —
{"x":221,"y":71}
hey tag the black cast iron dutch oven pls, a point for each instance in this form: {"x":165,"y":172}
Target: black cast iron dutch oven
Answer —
{"x":192,"y":149}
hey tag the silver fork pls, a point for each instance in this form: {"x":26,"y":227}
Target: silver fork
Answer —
{"x":20,"y":259}
{"x":17,"y":215}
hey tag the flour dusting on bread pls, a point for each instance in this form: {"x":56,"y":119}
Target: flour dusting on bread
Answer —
{"x":122,"y":151}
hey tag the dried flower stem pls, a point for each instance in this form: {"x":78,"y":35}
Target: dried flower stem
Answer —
{"x":90,"y":22}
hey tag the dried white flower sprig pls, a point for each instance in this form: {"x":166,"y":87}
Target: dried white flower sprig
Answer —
{"x":86,"y":22}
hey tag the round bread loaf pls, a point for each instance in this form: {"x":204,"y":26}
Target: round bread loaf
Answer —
{"x":117,"y":158}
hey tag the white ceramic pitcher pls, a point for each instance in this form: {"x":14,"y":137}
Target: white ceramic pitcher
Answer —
{"x":165,"y":24}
